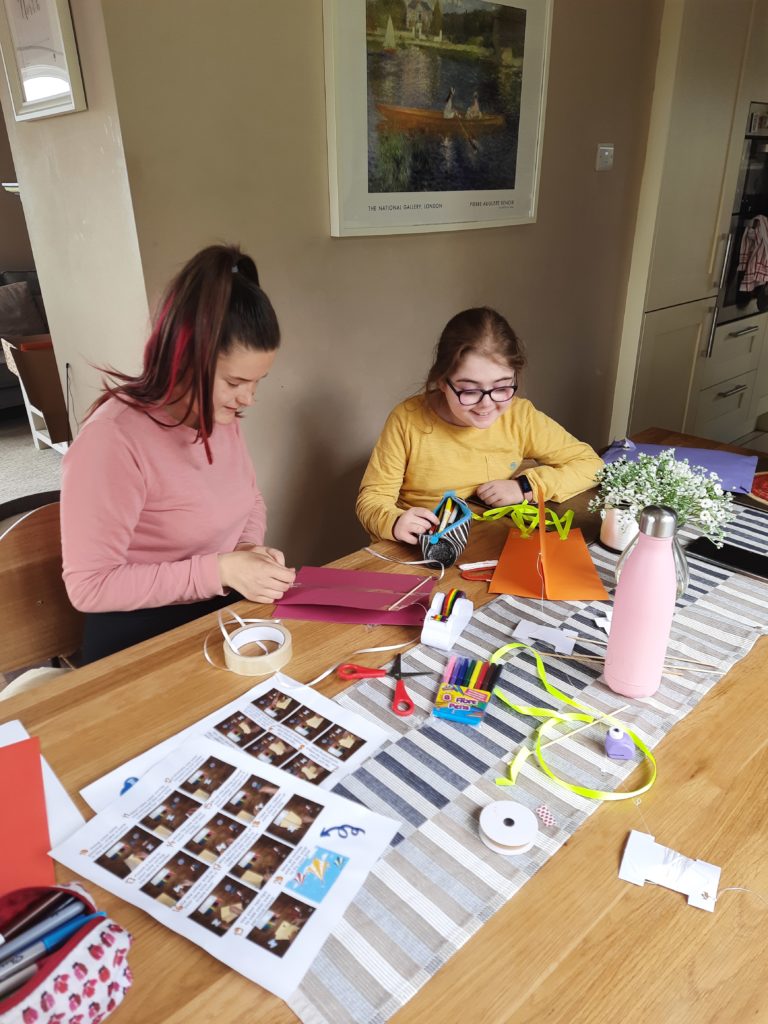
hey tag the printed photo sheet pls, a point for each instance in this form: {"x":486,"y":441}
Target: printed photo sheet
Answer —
{"x":279,"y":722}
{"x":247,"y":861}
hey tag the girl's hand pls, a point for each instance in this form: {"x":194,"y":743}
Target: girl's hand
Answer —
{"x":413,"y":523}
{"x":256,"y":574}
{"x":500,"y":492}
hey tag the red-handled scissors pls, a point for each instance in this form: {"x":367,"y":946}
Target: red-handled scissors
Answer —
{"x":402,"y":702}
{"x":351,"y":673}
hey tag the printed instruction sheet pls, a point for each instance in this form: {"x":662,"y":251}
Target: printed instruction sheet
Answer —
{"x":279,"y":722}
{"x":247,"y":861}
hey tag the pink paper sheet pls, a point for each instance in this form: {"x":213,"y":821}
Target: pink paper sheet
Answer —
{"x":355,"y":597}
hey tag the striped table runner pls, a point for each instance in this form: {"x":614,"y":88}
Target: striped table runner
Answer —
{"x":438,"y":883}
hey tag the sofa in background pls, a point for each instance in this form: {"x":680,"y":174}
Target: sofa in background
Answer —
{"x":21,"y":313}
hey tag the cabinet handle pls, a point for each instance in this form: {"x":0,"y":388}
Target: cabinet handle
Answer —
{"x":735,"y":390}
{"x":712,"y":328}
{"x":743,"y":331}
{"x":721,"y":279}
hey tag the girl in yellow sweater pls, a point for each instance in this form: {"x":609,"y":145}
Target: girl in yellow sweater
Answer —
{"x":468,"y":433}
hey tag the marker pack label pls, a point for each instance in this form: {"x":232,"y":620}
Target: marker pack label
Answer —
{"x":463,"y":704}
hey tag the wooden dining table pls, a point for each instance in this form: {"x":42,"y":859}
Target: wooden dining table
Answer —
{"x":575,"y":944}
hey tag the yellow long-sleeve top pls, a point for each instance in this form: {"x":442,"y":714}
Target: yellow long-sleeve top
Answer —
{"x":419,"y":457}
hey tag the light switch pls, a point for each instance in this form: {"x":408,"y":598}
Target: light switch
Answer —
{"x":604,"y":158}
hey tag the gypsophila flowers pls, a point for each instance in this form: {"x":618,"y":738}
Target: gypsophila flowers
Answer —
{"x":694,"y":494}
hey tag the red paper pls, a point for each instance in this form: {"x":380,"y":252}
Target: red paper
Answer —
{"x":353,"y":596}
{"x":23,"y":818}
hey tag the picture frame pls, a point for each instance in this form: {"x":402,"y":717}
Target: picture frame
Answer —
{"x":435,"y":113}
{"x":39,"y":50}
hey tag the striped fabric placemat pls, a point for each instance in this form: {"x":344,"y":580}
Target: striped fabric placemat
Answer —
{"x":438,"y":883}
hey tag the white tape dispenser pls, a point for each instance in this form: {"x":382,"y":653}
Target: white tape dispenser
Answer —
{"x":446,"y":620}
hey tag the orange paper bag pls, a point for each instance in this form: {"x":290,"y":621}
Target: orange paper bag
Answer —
{"x":543,"y":565}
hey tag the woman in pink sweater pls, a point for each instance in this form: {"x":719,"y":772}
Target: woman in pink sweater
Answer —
{"x":161,"y":517}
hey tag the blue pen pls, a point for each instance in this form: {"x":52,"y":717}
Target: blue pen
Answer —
{"x":72,"y":908}
{"x":45,"y":945}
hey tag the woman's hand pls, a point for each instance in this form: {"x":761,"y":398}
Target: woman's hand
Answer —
{"x":413,"y":523}
{"x":259,"y":549}
{"x":259,"y":573}
{"x":500,"y":492}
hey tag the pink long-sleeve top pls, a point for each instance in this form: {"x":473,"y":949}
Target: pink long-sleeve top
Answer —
{"x":144,"y":515}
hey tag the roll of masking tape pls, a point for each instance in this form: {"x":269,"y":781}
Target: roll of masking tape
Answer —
{"x":508,"y":828}
{"x":257,"y":664}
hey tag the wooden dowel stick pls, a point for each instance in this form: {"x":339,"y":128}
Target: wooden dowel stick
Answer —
{"x":585,"y":725}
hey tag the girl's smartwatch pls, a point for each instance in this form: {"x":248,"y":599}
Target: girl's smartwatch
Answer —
{"x":525,"y":486}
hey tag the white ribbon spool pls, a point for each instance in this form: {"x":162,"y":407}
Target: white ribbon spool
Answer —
{"x":259,"y":632}
{"x":508,"y":828}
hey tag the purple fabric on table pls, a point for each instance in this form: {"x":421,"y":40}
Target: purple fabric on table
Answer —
{"x":736,"y":472}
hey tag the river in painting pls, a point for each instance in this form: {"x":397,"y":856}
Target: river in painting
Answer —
{"x":418,"y":72}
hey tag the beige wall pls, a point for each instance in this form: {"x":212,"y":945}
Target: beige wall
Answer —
{"x":77,"y":203}
{"x":15,"y":250}
{"x":222,"y":109}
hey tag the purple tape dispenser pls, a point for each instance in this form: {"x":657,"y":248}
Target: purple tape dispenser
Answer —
{"x":619,"y":745}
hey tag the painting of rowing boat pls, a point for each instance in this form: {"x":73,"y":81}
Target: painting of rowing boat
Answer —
{"x":444,"y":82}
{"x":434,"y":113}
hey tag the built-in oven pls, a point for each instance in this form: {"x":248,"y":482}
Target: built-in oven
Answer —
{"x":744,"y":281}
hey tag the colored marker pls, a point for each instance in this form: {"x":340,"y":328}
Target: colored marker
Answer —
{"x":47,"y":904}
{"x":477,"y":668}
{"x":449,"y":668}
{"x":467,"y":674}
{"x":493,"y":676}
{"x":457,"y":672}
{"x":481,"y":679}
{"x":30,"y":954}
{"x":72,"y":909}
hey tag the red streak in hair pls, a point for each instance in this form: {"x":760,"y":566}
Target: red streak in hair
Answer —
{"x":181,"y":342}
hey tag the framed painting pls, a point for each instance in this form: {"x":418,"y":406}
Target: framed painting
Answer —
{"x":40,"y":57}
{"x":435,"y":112}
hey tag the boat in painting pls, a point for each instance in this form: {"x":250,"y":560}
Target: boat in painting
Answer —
{"x":431,"y":120}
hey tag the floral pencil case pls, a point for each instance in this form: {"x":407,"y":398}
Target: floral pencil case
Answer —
{"x":447,"y":541}
{"x":79,"y":982}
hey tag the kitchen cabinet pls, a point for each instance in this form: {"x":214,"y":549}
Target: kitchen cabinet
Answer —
{"x":670,"y":342}
{"x":691,"y":221}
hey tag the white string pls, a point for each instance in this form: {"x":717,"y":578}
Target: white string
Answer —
{"x":741,"y":888}
{"x":730,"y":888}
{"x":227,"y":640}
{"x":399,"y":561}
{"x":362,"y":650}
{"x":540,"y":573}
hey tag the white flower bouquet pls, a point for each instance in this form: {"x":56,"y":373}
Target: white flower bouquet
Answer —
{"x":694,"y":494}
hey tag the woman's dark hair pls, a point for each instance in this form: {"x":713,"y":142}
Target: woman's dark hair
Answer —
{"x":213,"y":303}
{"x":480,"y":330}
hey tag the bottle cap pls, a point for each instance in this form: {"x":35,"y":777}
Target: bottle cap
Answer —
{"x":658,"y":521}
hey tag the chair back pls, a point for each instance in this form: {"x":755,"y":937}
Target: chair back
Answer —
{"x":38,"y":621}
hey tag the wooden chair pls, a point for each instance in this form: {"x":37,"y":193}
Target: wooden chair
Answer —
{"x":38,"y":621}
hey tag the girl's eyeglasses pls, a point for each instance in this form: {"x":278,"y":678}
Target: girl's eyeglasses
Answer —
{"x":473,"y":396}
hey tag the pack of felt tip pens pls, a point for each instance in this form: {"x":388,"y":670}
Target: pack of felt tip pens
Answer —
{"x":465,"y":690}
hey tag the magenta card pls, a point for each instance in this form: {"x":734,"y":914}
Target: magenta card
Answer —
{"x":351,"y":596}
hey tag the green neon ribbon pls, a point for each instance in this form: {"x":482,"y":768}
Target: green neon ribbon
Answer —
{"x":526,"y":518}
{"x":547,"y":729}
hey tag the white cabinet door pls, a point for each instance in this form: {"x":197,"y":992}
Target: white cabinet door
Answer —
{"x":669,"y":345}
{"x":686,"y":254}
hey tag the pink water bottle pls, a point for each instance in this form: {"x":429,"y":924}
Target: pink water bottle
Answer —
{"x":644,"y":605}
